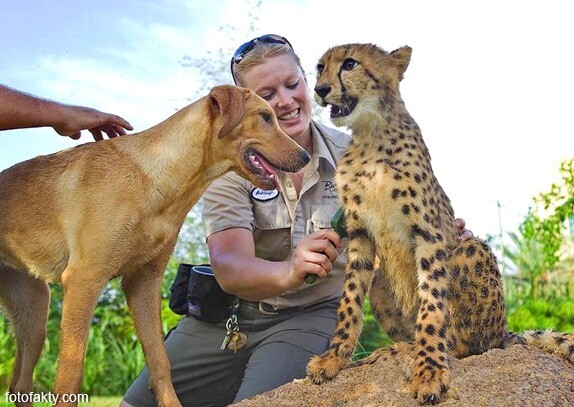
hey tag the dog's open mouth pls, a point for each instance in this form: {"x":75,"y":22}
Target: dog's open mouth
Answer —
{"x":347,"y":107}
{"x":263,"y":168}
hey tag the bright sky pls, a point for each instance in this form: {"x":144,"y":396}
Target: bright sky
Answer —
{"x":490,"y":82}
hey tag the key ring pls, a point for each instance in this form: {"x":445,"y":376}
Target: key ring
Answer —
{"x":232,"y":324}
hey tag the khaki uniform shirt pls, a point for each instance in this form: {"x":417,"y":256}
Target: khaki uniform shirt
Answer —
{"x":279,"y":220}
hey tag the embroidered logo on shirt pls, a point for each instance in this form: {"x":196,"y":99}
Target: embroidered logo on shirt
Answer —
{"x":329,"y":190}
{"x":261,"y":195}
{"x":329,"y":186}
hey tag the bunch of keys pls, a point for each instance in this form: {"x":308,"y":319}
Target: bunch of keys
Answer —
{"x":234,"y":339}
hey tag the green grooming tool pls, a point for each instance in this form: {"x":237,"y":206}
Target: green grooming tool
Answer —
{"x":338,"y":225}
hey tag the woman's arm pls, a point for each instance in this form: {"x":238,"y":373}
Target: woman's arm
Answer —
{"x":240,"y":272}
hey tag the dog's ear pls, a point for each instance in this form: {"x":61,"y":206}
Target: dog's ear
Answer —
{"x":227,"y":102}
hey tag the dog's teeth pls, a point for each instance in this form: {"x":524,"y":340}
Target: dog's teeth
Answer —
{"x":255,"y":161}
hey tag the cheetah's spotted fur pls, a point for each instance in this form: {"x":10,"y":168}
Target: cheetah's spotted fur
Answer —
{"x":442,"y":294}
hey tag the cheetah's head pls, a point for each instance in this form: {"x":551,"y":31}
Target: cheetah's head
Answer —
{"x":359,"y":80}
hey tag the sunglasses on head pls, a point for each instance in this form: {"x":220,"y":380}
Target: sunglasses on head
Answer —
{"x":247,"y":47}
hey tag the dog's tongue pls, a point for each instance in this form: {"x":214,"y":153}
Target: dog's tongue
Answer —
{"x":270,"y":171}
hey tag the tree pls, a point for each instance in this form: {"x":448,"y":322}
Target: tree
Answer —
{"x":214,"y":68}
{"x":526,"y":256}
{"x":541,"y":248}
{"x":546,"y":222}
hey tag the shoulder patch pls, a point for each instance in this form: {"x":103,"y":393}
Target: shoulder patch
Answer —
{"x":262,"y":195}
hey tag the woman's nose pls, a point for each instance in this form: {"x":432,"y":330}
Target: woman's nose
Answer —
{"x":283,"y":98}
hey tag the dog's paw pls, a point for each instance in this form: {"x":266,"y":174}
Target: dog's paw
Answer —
{"x":325,"y":367}
{"x":430,"y":384}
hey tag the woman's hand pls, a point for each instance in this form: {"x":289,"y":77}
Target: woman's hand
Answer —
{"x":315,"y":254}
{"x":463,"y":233}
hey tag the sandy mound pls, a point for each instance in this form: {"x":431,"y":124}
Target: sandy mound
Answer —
{"x":518,"y":376}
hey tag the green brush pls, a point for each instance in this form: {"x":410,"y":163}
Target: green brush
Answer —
{"x":338,"y":225}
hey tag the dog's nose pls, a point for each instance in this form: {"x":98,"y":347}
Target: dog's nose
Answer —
{"x":304,"y":157}
{"x":322,"y":90}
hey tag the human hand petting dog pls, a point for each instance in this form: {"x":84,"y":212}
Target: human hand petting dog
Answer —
{"x":20,"y":110}
{"x":74,"y":119}
{"x":315,"y":254}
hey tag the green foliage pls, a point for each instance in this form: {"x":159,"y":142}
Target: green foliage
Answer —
{"x":541,"y":251}
{"x":545,"y":222}
{"x":527,"y":257}
{"x":532,"y":314}
{"x":372,"y":336}
{"x":105,"y":345}
{"x":7,"y":354}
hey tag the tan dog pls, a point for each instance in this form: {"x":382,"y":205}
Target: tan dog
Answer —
{"x":114,"y":208}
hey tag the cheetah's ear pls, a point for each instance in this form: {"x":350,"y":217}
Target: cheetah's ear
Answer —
{"x":401,"y":58}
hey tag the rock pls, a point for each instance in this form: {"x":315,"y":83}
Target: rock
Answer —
{"x":517,"y":376}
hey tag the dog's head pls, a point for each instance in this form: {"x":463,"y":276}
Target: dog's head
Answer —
{"x":248,"y":136}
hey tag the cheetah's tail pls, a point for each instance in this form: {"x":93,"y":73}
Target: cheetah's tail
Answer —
{"x":549,"y":341}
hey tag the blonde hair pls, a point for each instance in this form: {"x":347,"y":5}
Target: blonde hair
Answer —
{"x":260,"y":53}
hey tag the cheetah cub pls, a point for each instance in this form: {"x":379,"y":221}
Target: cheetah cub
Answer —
{"x":442,"y":295}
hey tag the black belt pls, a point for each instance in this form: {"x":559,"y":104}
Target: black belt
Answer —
{"x":250,"y":309}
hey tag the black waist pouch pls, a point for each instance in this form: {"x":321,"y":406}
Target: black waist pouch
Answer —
{"x":196,"y":292}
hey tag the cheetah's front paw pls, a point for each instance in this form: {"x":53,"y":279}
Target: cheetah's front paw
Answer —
{"x":429,"y":385}
{"x":325,"y":367}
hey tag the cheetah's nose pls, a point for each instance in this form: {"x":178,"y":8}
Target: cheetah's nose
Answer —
{"x":322,"y":90}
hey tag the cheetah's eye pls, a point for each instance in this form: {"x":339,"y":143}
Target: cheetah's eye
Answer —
{"x":320,"y":68}
{"x":349,"y":64}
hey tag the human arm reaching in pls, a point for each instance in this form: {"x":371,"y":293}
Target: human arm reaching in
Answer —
{"x":20,"y":110}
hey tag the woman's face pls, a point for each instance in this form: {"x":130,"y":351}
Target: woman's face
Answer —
{"x":281,"y":83}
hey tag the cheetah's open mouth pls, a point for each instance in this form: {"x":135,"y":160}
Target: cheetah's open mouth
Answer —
{"x":345,"y":109}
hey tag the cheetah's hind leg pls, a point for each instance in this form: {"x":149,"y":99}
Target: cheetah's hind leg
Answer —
{"x":399,"y":348}
{"x":397,"y":325}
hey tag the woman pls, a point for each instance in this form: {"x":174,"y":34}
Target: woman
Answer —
{"x":262,"y":245}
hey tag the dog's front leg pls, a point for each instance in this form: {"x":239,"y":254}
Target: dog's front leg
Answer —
{"x":142,"y":289}
{"x":81,"y":291}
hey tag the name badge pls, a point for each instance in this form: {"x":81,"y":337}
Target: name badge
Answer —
{"x":262,"y":195}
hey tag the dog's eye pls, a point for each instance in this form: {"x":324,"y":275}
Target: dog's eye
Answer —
{"x":266,"y":116}
{"x":349,"y":64}
{"x":320,"y":68}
